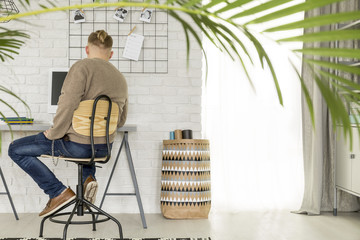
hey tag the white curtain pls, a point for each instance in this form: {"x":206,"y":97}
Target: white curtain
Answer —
{"x":319,"y":146}
{"x":256,"y":144}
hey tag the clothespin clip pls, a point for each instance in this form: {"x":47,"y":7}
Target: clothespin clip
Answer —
{"x":132,"y":31}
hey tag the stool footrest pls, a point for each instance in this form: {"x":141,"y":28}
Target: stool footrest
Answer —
{"x":78,"y":222}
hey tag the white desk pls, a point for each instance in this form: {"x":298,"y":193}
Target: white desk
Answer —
{"x":38,"y":127}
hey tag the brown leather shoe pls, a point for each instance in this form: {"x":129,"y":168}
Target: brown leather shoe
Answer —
{"x":90,"y":189}
{"x":57,"y":202}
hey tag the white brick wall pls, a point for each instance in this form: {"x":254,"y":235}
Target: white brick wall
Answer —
{"x":159,"y":103}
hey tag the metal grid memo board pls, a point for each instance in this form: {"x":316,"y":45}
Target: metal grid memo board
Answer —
{"x":154,"y":53}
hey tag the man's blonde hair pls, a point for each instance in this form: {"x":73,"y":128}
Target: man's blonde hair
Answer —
{"x":101,"y":39}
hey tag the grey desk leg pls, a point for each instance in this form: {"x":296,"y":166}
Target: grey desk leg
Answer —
{"x":8,"y":194}
{"x":112,"y":173}
{"x":133,"y":175}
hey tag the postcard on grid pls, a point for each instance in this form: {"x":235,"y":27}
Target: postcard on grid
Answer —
{"x":133,"y":46}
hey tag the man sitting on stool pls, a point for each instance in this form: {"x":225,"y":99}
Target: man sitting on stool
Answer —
{"x":86,"y":79}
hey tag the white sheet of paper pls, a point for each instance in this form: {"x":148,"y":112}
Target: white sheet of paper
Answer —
{"x":133,"y":46}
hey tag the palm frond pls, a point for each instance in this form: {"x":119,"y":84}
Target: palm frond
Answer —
{"x":232,"y":5}
{"x":325,"y":36}
{"x":219,"y":21}
{"x":260,"y":8}
{"x":9,"y":126}
{"x":331,"y":52}
{"x":307,"y":5}
{"x":318,"y":21}
{"x":306,"y":95}
{"x":11,"y":93}
{"x":336,"y":66}
{"x":10,"y":41}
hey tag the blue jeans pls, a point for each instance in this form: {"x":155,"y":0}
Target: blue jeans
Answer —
{"x":24,"y":152}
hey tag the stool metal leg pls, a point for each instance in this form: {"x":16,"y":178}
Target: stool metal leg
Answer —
{"x":93,"y":216}
{"x":8,"y":194}
{"x":107,"y":215}
{"x":133,"y":175}
{"x":47,"y":217}
{"x":69,"y":220}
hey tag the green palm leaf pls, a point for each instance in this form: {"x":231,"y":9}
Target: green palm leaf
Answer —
{"x":191,"y":3}
{"x":331,"y":52}
{"x":9,"y":41}
{"x":211,"y":4}
{"x":336,"y":66}
{"x":325,"y":36}
{"x":306,"y":95}
{"x":308,"y":5}
{"x":318,"y":21}
{"x":345,"y":82}
{"x":9,"y":92}
{"x":260,"y":8}
{"x":233,"y":5}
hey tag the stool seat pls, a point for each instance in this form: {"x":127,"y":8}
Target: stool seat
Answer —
{"x":84,"y":160}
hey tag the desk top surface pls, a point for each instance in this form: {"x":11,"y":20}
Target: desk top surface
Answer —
{"x":36,"y":127}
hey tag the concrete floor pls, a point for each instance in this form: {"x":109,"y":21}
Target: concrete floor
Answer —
{"x":269,"y":225}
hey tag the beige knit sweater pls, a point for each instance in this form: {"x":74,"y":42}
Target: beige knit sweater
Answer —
{"x":86,"y":80}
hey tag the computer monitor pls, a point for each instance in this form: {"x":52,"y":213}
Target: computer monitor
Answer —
{"x":56,"y":80}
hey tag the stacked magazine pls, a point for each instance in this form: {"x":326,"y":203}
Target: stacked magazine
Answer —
{"x":16,"y":120}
